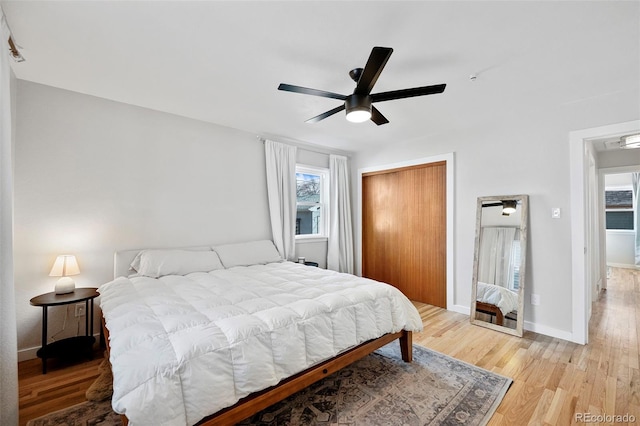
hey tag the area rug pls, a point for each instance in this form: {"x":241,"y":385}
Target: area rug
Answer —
{"x":87,"y":413}
{"x":379,"y":389}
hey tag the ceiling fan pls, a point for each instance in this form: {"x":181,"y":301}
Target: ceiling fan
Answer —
{"x":359,"y":104}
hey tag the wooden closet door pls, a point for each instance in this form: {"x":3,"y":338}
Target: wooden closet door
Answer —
{"x":404,"y":230}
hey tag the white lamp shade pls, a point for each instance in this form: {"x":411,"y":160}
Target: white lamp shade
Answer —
{"x":65,"y":265}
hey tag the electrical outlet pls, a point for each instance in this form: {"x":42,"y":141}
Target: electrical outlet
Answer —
{"x":535,"y":299}
{"x":80,"y":309}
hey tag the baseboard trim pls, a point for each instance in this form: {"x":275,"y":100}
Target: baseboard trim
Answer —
{"x":27,"y":354}
{"x":461,"y":309}
{"x":548,"y":331}
{"x":529,"y":326}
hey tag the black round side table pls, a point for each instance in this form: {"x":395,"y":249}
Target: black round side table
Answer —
{"x":71,"y":345}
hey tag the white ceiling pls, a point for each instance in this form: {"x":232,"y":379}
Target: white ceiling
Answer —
{"x":222,"y":61}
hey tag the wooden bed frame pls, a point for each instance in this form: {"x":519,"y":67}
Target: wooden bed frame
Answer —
{"x":260,"y":400}
{"x":490,"y":309}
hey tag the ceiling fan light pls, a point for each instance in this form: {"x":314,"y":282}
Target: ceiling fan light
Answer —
{"x":358,"y":108}
{"x":509,"y":207}
{"x":630,"y":141}
{"x":358,"y":115}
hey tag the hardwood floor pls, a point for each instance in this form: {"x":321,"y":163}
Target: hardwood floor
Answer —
{"x":64,"y":385}
{"x":554,"y":380}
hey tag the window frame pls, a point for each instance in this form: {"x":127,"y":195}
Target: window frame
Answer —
{"x":323,"y":226}
{"x":620,"y":209}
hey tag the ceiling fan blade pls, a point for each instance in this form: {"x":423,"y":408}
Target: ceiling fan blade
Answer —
{"x":408,"y":93}
{"x":377,"y":117}
{"x":375,"y":64}
{"x":313,"y":92}
{"x":325,"y":114}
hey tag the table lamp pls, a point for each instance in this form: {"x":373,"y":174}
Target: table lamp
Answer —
{"x":64,"y":266}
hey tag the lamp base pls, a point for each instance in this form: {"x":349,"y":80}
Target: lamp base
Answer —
{"x":65,"y":285}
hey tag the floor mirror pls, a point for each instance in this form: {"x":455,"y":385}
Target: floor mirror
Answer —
{"x":499,"y":262}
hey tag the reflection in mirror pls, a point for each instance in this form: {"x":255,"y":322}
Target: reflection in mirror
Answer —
{"x":499,"y":263}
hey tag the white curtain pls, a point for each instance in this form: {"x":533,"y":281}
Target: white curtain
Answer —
{"x":635,"y":178}
{"x":281,"y":188}
{"x":494,"y":259}
{"x":340,"y":247}
{"x":8,"y":336}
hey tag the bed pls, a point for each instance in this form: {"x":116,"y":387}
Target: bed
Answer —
{"x":212,"y":336}
{"x":496,"y":301}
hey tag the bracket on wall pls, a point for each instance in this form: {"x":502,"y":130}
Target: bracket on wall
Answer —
{"x":15,"y":53}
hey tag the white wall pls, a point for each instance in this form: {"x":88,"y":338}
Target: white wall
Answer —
{"x":619,"y":158}
{"x":94,"y":176}
{"x":618,"y":181}
{"x":621,"y":248}
{"x":526,"y":152}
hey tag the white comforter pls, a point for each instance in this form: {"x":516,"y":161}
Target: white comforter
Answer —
{"x":184,"y":347}
{"x":503,"y":298}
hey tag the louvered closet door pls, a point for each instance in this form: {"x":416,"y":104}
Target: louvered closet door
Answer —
{"x":404,"y":230}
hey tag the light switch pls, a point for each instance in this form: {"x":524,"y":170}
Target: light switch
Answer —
{"x":555,"y":212}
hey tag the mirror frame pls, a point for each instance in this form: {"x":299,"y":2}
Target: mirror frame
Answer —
{"x":524,"y":219}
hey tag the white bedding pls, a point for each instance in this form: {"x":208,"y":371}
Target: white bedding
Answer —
{"x":184,"y":347}
{"x":505,"y":299}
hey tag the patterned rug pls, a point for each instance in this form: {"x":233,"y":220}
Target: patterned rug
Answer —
{"x":379,"y":389}
{"x":86,"y":414}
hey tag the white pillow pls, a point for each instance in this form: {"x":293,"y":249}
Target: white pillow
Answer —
{"x":245,"y":254}
{"x":158,"y":263}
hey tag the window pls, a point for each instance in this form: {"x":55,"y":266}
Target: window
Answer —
{"x":619,"y":209}
{"x":514,"y":273}
{"x":311,"y":201}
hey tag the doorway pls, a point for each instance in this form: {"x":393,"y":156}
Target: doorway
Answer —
{"x":580,"y":150}
{"x":619,"y":214}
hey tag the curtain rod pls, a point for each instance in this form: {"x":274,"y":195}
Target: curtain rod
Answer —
{"x":306,"y":146}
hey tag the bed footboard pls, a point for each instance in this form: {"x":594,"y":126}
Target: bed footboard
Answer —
{"x":492,"y":310}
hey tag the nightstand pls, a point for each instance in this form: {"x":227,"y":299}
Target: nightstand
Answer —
{"x":71,"y":345}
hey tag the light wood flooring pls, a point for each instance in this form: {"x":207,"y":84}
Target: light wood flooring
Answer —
{"x":554,"y":380}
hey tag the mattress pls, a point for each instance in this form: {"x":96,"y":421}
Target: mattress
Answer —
{"x":184,"y":347}
{"x":505,"y":299}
